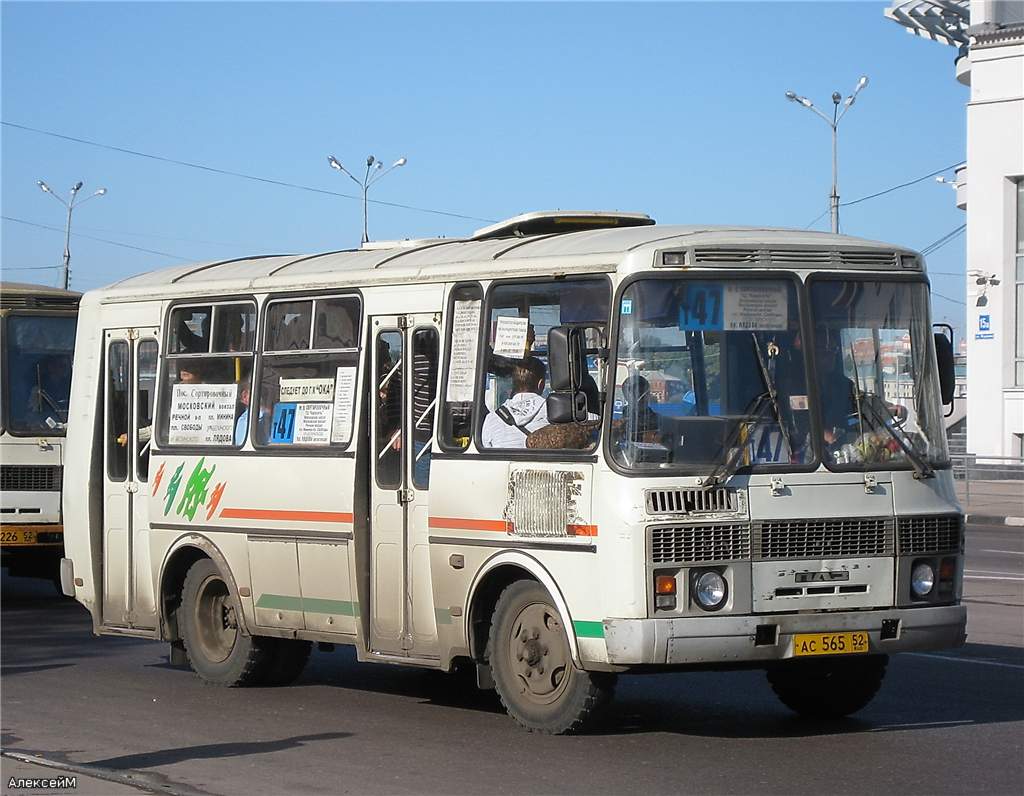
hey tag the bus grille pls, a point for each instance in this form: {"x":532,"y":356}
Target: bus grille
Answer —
{"x":862,"y":258}
{"x":831,"y":538}
{"x":30,"y":478}
{"x":932,"y":534}
{"x":725,"y":542}
{"x":691,"y":501}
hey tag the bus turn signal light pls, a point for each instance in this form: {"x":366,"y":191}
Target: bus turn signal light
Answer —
{"x":665,"y":584}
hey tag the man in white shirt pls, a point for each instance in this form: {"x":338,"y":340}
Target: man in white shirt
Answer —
{"x":523,"y":413}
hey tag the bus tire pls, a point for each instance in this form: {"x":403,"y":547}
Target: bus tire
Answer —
{"x":532,"y":667}
{"x":828,"y":688}
{"x":209,"y":619}
{"x":288,"y":658}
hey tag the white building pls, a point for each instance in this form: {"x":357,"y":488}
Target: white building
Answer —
{"x":989,"y":35}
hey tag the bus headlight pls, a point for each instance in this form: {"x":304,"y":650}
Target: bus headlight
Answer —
{"x":710,"y":590}
{"x":922,"y":579}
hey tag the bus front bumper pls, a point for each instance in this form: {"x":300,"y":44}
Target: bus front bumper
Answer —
{"x":769,"y":637}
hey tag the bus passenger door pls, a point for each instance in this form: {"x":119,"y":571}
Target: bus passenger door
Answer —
{"x":130,"y":380}
{"x":405,"y":351}
{"x":387,"y":493}
{"x":117,"y":482}
{"x":421,"y":401}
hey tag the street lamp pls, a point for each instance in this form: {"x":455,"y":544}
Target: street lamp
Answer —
{"x":837,"y":117}
{"x":70,"y":205}
{"x":372,"y":176}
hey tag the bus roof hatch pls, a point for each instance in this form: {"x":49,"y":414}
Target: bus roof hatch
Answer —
{"x":551,"y":222}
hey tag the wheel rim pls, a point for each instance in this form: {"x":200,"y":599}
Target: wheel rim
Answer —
{"x":539,"y":654}
{"x":215,"y":619}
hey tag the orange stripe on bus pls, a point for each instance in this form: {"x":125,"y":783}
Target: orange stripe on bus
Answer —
{"x":281,"y":514}
{"x":458,"y":523}
{"x":581,"y":530}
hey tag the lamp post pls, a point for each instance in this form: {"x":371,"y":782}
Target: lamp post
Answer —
{"x":372,"y":176}
{"x":837,"y":117}
{"x":69,"y":205}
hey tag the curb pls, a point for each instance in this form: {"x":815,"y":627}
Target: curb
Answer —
{"x":995,"y":519}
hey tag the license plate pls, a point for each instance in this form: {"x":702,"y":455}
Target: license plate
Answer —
{"x":18,"y":537}
{"x":851,"y":643}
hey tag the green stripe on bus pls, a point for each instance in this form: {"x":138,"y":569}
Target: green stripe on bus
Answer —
{"x":313,"y":605}
{"x":589,"y":629}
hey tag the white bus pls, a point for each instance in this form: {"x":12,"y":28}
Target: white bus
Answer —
{"x":37,"y":344}
{"x":569,"y":446}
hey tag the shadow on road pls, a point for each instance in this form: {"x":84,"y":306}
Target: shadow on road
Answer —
{"x":166,"y":757}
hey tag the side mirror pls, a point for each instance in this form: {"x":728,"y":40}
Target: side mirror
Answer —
{"x":567,"y":407}
{"x":567,"y":358}
{"x":944,"y":356}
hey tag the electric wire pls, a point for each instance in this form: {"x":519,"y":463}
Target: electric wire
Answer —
{"x":228,"y":172}
{"x":947,"y":238}
{"x":101,"y":240}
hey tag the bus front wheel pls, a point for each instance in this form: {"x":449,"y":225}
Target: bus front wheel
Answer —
{"x":209,"y":620}
{"x":828,"y":688}
{"x":532,"y":665}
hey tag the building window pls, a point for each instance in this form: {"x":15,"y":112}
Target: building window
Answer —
{"x":1018,"y":362}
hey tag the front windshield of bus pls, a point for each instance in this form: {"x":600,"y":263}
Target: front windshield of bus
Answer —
{"x":877,"y":374}
{"x":710,"y":376}
{"x":39,"y":353}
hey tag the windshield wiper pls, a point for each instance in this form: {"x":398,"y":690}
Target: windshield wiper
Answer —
{"x":773,"y":393}
{"x":921,"y":467}
{"x":730,"y":464}
{"x":885,"y":418}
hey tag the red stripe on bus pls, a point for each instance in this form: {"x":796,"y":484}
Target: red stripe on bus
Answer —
{"x":281,"y":514}
{"x":458,"y":523}
{"x":581,"y":530}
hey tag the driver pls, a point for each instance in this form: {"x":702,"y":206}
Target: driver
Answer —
{"x":838,"y":396}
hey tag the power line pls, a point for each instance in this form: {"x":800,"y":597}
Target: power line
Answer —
{"x":229,"y":173}
{"x":101,"y":240}
{"x":901,"y":185}
{"x":31,"y":267}
{"x":887,"y":190}
{"x":949,"y":298}
{"x":947,"y":238}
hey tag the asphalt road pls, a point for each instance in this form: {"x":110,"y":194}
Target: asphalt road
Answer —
{"x":950,"y":722}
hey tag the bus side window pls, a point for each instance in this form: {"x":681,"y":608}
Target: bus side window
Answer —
{"x":424,"y":394}
{"x":519,"y":317}
{"x":306,"y":390}
{"x":145,"y":391}
{"x":465,"y":305}
{"x":117,"y":409}
{"x":207,"y":373}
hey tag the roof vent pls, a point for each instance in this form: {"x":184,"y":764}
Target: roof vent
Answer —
{"x":555,"y":222}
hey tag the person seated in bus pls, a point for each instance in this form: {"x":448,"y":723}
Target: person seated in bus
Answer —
{"x":639,"y":423}
{"x":572,"y":436}
{"x":838,"y":395}
{"x":47,"y":405}
{"x":188,"y":373}
{"x":242,"y":421}
{"x":523,"y":413}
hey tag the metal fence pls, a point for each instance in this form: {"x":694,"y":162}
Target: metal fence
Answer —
{"x":991,"y":485}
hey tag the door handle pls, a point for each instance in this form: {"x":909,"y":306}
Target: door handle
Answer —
{"x":404,"y":496}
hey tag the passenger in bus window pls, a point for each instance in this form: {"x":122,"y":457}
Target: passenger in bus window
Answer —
{"x":242,"y":422}
{"x":523,"y":413}
{"x":572,"y":436}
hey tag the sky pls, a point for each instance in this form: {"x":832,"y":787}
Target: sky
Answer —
{"x":672,"y":109}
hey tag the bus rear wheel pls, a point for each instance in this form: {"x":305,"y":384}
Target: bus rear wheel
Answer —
{"x":210,"y":616}
{"x":531,"y":663}
{"x":828,"y":688}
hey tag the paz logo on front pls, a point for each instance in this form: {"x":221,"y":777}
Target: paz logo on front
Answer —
{"x":826,"y":576}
